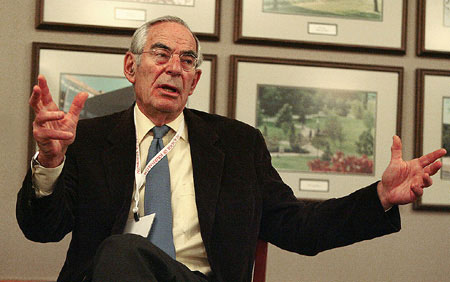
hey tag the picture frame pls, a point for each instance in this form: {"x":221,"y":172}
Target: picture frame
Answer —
{"x":124,"y":16}
{"x":98,"y":70}
{"x":433,"y":28}
{"x":431,"y":132}
{"x":263,"y":88}
{"x":323,"y":27}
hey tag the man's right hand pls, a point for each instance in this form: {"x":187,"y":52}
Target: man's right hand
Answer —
{"x":53,"y":130}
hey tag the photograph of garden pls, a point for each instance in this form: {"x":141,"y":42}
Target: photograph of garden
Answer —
{"x":318,"y":130}
{"x":350,"y":9}
{"x":445,"y":171}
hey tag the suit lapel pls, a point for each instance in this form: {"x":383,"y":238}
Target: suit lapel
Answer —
{"x":207,"y":164}
{"x":119,"y":162}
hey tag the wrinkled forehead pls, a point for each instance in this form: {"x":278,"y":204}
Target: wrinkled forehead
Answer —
{"x":172,"y":34}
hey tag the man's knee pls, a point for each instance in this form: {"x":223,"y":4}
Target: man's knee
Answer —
{"x":129,"y":245}
{"x":122,"y":242}
{"x":120,"y":258}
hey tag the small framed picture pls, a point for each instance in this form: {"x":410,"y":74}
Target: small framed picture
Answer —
{"x":124,"y":16}
{"x":433,"y":131}
{"x":327,"y":126}
{"x":70,"y":69}
{"x":433,"y":30}
{"x":355,"y":25}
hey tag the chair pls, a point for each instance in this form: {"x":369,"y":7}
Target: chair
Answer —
{"x":259,"y":269}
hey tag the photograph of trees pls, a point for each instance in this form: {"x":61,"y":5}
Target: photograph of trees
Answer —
{"x":445,"y":171}
{"x":350,"y":9}
{"x":318,"y":130}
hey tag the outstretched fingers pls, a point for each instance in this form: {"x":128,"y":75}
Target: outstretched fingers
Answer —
{"x":41,"y":97}
{"x":35,"y":99}
{"x":430,"y":158}
{"x":433,"y":168}
{"x":45,"y":92}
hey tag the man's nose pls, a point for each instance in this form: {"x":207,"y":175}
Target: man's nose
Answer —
{"x":173,"y":66}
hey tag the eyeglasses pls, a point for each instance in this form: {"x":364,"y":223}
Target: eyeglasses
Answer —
{"x":161,"y":56}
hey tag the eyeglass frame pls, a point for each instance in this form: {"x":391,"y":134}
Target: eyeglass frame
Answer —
{"x":188,"y":53}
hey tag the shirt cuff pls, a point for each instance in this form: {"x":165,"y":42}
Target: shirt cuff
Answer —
{"x":43,"y":178}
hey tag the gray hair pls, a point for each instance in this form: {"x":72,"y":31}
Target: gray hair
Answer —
{"x":139,"y":38}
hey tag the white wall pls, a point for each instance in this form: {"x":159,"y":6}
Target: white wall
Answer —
{"x":420,"y":252}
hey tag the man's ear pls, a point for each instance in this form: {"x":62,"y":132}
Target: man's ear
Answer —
{"x":197,"y":75}
{"x":129,"y":67}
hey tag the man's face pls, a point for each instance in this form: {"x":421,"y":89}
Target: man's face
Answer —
{"x":163,"y":89}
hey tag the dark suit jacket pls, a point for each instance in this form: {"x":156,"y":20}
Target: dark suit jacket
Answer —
{"x":239,"y":196}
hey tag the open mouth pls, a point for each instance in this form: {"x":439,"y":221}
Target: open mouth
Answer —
{"x":169,"y":88}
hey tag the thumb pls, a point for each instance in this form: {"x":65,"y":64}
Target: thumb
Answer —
{"x":78,"y":104}
{"x":396,"y":148}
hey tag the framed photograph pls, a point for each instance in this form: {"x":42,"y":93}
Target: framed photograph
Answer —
{"x":70,"y":69}
{"x":433,"y":132}
{"x":328,"y":126}
{"x":433,"y":30}
{"x":355,"y":25}
{"x":124,"y":16}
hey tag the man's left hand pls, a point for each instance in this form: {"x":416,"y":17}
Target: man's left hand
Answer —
{"x":403,"y":181}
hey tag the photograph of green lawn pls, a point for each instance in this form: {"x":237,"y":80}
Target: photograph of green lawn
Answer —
{"x":318,"y":130}
{"x":350,"y":9}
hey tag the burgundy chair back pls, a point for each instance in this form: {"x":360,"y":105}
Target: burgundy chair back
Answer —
{"x":259,"y":270}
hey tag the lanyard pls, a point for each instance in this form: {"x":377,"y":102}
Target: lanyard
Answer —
{"x":140,"y":176}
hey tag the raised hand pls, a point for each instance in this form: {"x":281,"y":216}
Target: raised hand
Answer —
{"x":403,"y":181}
{"x":53,"y":130}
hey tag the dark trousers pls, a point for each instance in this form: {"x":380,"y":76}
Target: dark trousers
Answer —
{"x":129,"y":257}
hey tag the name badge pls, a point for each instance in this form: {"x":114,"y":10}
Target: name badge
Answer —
{"x":141,"y":227}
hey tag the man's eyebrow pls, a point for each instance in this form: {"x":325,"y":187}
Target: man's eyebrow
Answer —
{"x":165,"y":47}
{"x":190,"y":52}
{"x":160,"y":45}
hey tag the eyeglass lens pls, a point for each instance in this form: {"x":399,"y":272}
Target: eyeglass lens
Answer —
{"x":161,"y":56}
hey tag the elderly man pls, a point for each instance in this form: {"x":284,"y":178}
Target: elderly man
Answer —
{"x":200,"y":204}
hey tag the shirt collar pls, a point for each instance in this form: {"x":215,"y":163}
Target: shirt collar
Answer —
{"x":144,"y":125}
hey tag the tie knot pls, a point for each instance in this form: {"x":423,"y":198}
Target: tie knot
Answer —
{"x":160,"y":131}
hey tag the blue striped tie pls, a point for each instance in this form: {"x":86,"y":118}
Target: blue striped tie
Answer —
{"x":158,"y":196}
